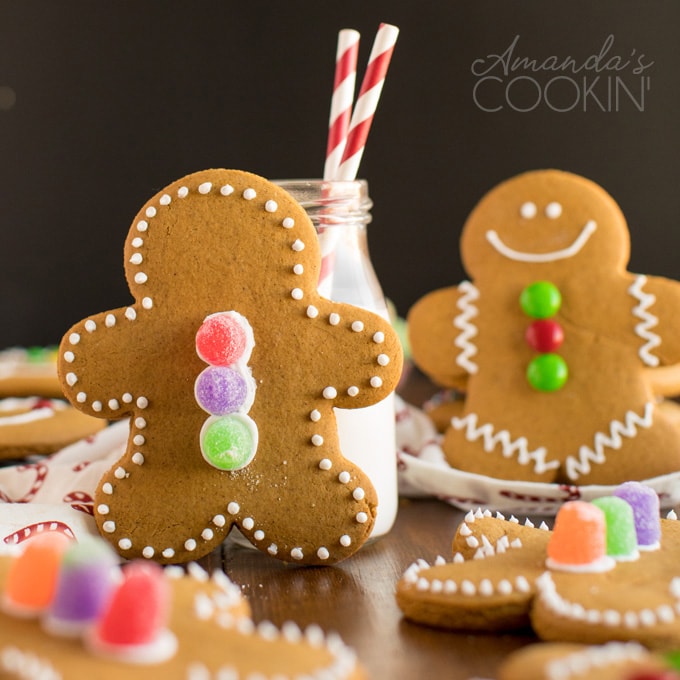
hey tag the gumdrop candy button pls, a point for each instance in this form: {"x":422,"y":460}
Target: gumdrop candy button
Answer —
{"x":541,"y":300}
{"x":578,"y":541}
{"x":32,"y":576}
{"x":621,"y":536}
{"x":89,"y":571}
{"x":133,"y":626}
{"x":229,"y":442}
{"x":221,"y":340}
{"x":646,"y":510}
{"x":220,"y":390}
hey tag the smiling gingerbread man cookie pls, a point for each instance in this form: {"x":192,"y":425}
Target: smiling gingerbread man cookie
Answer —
{"x":552,"y":340}
{"x":229,"y":365}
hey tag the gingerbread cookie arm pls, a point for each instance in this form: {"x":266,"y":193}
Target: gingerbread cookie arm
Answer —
{"x":368,"y":357}
{"x":98,"y":393}
{"x":655,"y":306}
{"x":442,"y":331}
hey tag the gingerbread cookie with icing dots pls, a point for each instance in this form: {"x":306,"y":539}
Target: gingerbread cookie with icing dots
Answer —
{"x":554,"y":341}
{"x":229,"y":365}
{"x":563,"y":661}
{"x":32,"y":425}
{"x":606,"y":571}
{"x":67,"y":610}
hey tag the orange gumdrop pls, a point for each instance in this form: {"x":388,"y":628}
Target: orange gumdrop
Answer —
{"x":32,"y":576}
{"x":579,"y":538}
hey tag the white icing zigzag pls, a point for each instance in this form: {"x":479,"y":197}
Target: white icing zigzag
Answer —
{"x":490,"y":439}
{"x":469,"y":293}
{"x":617,"y":429}
{"x":647,"y":320}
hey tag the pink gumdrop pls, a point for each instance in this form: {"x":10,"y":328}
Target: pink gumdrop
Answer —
{"x":139,"y":608}
{"x":221,"y":340}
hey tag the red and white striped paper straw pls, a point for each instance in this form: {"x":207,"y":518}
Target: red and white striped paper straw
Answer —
{"x":342,"y":99}
{"x":367,"y":101}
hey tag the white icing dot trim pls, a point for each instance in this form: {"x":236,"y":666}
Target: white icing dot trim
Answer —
{"x":288,"y":222}
{"x":148,"y":552}
{"x":219,"y":520}
{"x":378,"y":337}
{"x":333,"y":319}
{"x":298,"y":270}
{"x":357,"y":326}
{"x":233,"y":508}
{"x":110,"y":321}
{"x":90,"y":326}
{"x":330,"y":392}
{"x":317,"y":440}
{"x":362,"y":517}
{"x":69,"y":357}
{"x":249,"y":194}
{"x":315,"y":416}
{"x":183,"y":192}
{"x":325,"y":464}
{"x":312,"y":312}
{"x":271,"y":206}
{"x":298,"y":246}
{"x":125,"y":544}
{"x":258,"y":535}
{"x":227,"y":190}
{"x":204,"y":188}
{"x":353,"y":391}
{"x":109,"y":526}
{"x":165,"y":199}
{"x":297,"y":293}
{"x":376,"y":381}
{"x":81,"y":397}
{"x":344,"y":477}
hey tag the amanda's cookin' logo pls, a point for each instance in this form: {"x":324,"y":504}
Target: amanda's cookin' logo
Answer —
{"x":603,"y":81}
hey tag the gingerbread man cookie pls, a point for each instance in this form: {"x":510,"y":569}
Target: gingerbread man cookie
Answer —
{"x":606,"y":571}
{"x":229,"y":365}
{"x":67,"y":610}
{"x":552,"y":340}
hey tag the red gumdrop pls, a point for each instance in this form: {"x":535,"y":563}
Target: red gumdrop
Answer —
{"x":544,"y":335}
{"x":139,"y":607}
{"x":221,"y":340}
{"x":653,"y":675}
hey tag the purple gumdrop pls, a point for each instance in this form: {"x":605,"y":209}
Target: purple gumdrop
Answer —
{"x":646,"y":511}
{"x":86,"y":579}
{"x":221,"y":390}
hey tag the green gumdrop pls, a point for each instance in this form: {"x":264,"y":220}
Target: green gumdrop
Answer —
{"x":547,"y":372}
{"x":228,"y":442}
{"x":540,"y":300}
{"x":621,"y":534}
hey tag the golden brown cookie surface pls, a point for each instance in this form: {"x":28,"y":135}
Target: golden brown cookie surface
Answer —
{"x":554,"y":339}
{"x":27,"y":372}
{"x":31,"y":425}
{"x":231,"y":244}
{"x":612,"y":661}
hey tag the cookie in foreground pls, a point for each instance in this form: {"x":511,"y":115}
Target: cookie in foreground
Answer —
{"x":69,"y":611}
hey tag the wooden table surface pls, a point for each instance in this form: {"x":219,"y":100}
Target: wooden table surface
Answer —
{"x":356,"y":599}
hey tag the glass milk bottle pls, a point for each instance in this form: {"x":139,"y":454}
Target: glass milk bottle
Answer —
{"x":340,"y":211}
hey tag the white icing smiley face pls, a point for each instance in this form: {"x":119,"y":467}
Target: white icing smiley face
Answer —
{"x":553,"y":210}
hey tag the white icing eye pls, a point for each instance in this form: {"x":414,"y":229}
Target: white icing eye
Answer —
{"x":553,"y":210}
{"x":528,"y":210}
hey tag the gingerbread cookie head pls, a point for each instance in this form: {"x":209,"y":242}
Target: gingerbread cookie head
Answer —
{"x":552,"y":341}
{"x":229,"y":365}
{"x":544,"y":218}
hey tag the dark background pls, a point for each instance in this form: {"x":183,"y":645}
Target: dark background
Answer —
{"x":103,"y":103}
